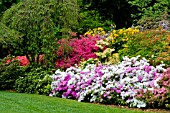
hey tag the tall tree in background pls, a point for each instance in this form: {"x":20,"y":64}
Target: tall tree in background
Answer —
{"x":67,"y":11}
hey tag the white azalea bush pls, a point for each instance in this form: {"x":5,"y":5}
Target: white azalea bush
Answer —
{"x":113,"y":84}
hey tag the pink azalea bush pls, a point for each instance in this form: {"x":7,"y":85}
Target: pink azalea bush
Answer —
{"x":158,"y":97}
{"x":75,"y":50}
{"x":114,"y":84}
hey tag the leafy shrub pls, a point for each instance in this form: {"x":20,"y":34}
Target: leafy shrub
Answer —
{"x":116,"y":84}
{"x":9,"y":73}
{"x":151,"y":44}
{"x":73,"y":51}
{"x":36,"y":80}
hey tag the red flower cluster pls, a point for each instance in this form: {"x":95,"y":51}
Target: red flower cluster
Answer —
{"x":22,"y":59}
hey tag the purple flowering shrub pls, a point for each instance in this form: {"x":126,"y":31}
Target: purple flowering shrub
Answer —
{"x":158,"y":97}
{"x":75,"y":50}
{"x":113,"y":84}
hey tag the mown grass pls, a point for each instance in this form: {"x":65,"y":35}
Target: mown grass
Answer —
{"x":11,"y":102}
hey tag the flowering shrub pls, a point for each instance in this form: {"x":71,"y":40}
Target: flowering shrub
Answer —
{"x":151,"y":44}
{"x":112,"y":42}
{"x":117,"y":84}
{"x":158,"y":97}
{"x":76,"y":50}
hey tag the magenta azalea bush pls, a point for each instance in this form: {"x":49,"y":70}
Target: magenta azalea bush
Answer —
{"x":75,"y":50}
{"x":116,"y":84}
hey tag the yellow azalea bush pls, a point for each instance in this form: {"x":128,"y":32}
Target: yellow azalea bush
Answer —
{"x":111,"y":42}
{"x":95,"y":31}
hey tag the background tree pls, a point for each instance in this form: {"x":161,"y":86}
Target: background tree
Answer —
{"x":67,"y":15}
{"x":34,"y":20}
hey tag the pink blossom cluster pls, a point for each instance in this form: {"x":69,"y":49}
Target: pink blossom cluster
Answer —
{"x":81,"y":49}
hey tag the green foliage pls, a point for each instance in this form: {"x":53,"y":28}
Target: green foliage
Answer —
{"x":67,"y":15}
{"x":9,"y":72}
{"x":37,"y":80}
{"x":91,"y":18}
{"x":5,"y":4}
{"x":151,"y":44}
{"x":116,"y":11}
{"x":9,"y":40}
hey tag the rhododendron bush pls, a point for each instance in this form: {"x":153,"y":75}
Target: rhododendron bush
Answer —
{"x":75,"y":50}
{"x":114,"y":84}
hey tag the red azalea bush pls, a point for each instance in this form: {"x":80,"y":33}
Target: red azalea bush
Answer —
{"x":24,"y":61}
{"x":73,"y":51}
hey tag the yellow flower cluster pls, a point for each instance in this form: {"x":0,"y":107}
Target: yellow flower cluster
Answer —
{"x":112,"y":59}
{"x":113,"y":34}
{"x":121,"y":32}
{"x":95,"y":31}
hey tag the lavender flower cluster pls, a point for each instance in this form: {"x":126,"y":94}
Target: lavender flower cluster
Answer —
{"x":97,"y":82}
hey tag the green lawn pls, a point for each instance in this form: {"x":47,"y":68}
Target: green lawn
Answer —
{"x":29,"y":103}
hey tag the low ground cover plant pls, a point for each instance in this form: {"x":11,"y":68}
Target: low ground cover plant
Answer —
{"x":113,"y":84}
